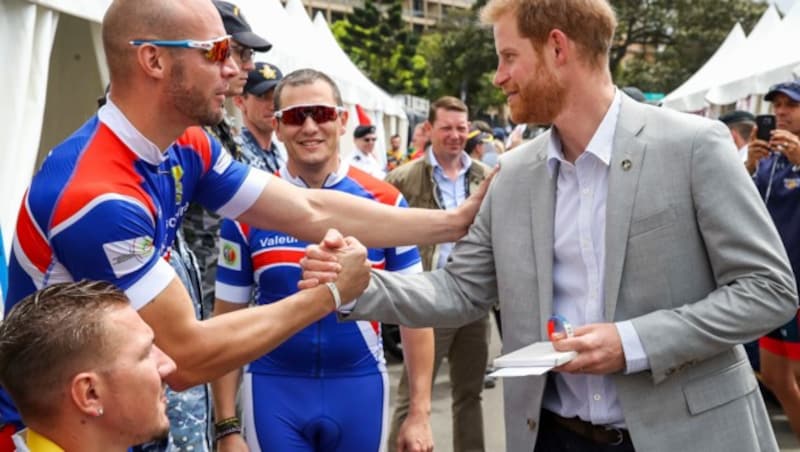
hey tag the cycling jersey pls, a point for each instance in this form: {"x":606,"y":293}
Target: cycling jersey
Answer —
{"x":299,"y":396}
{"x":268,"y":262}
{"x":106,"y":205}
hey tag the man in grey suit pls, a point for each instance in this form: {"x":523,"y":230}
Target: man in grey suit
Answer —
{"x":636,"y":224}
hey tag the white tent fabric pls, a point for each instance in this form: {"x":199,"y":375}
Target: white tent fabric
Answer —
{"x":31,"y":29}
{"x":784,"y":5}
{"x":690,"y":96}
{"x":780,"y":59}
{"x":388,"y":104}
{"x":330,"y":47}
{"x":741,"y":80}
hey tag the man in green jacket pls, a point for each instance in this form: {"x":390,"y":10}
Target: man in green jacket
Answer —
{"x":443,"y":179}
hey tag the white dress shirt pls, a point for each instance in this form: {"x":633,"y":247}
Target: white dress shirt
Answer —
{"x":579,"y":269}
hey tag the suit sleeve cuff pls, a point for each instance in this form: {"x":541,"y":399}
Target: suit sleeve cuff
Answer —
{"x":347,"y":308}
{"x":635,"y":356}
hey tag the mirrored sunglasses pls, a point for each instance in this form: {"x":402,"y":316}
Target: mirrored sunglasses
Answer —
{"x":296,"y":115}
{"x":216,"y":50}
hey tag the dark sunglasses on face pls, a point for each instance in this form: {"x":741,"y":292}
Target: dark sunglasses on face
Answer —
{"x":216,"y":50}
{"x":296,"y":115}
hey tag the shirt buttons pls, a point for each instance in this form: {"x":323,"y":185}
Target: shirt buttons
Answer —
{"x":597,"y":397}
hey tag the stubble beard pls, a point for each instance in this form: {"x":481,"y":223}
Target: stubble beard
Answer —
{"x":190,"y":101}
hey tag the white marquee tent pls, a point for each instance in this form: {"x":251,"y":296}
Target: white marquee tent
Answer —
{"x":690,"y":96}
{"x":767,"y":58}
{"x":59,"y":71}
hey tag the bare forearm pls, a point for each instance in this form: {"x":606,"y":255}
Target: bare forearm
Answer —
{"x":308,"y":214}
{"x":204,"y":350}
{"x":418,"y":345}
{"x":224,"y":388}
{"x":378,"y":225}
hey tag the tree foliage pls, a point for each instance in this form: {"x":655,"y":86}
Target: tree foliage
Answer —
{"x":661,"y":43}
{"x":380,"y":43}
{"x":462,"y":61}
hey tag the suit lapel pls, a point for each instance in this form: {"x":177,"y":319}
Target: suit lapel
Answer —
{"x":543,"y":195}
{"x":627,"y":158}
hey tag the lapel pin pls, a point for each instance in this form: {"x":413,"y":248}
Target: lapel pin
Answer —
{"x":626,"y":165}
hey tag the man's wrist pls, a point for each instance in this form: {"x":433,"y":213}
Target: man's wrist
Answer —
{"x":419,"y":409}
{"x":227,"y":427}
{"x":337,"y":297}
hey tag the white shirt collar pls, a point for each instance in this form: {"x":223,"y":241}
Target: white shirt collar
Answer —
{"x":466,"y":162}
{"x":331,"y":180}
{"x":115,"y":119}
{"x":602,"y":141}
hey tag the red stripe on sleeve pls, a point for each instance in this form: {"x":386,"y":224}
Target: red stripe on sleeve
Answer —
{"x":36,"y":248}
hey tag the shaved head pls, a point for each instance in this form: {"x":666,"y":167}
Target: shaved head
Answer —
{"x":126,"y":20}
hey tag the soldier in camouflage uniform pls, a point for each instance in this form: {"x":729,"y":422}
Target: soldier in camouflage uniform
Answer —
{"x":201,"y":227}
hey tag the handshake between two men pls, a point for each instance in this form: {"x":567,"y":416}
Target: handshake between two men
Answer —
{"x":343,"y":261}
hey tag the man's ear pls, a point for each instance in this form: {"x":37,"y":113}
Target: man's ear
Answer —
{"x":559,"y":46}
{"x":239,"y":102}
{"x":343,"y":116}
{"x":151,"y":60}
{"x":276,"y":128}
{"x":427,"y":127}
{"x":86,"y":393}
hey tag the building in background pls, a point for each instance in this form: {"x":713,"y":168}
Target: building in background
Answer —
{"x":420,"y":14}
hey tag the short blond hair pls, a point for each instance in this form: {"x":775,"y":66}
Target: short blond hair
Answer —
{"x":589,"y":23}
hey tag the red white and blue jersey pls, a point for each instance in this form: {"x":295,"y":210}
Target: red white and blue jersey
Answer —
{"x":266,"y":263}
{"x":107,"y":202}
{"x":106,"y":205}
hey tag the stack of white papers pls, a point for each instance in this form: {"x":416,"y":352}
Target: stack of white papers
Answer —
{"x":534,"y":359}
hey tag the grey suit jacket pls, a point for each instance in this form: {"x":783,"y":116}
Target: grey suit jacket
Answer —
{"x":692,"y":258}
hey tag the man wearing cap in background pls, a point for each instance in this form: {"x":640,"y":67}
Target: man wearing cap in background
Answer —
{"x":364,"y":157}
{"x":196,"y":243}
{"x":477,"y":143}
{"x":201,"y":227}
{"x":741,"y":124}
{"x":255,"y":103}
{"x":776,"y":165}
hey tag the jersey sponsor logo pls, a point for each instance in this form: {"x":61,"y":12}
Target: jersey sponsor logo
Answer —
{"x":230,"y":255}
{"x":179,"y":214}
{"x":177,"y":175}
{"x":277,"y":240}
{"x":790,"y":183}
{"x":127,"y":256}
